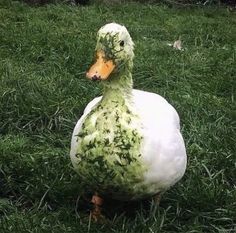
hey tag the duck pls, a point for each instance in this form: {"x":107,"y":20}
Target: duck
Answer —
{"x":127,"y":145}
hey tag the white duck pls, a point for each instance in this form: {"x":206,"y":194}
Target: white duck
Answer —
{"x":127,"y":144}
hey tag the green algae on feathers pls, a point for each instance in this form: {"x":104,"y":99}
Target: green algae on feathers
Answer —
{"x":109,"y":150}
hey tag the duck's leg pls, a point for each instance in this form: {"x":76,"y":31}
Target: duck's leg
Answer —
{"x":155,"y":204}
{"x":96,"y":213}
{"x":157,"y":199}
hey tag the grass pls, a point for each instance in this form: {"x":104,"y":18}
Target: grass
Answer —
{"x":44,"y":54}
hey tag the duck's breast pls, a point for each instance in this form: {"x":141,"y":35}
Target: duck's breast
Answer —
{"x":105,"y":150}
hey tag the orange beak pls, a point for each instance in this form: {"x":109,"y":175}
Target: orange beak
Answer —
{"x":101,"y":69}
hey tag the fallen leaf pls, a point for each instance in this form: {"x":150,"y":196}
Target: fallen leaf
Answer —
{"x":178,"y":45}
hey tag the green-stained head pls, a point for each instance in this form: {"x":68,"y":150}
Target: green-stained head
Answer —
{"x":114,"y":50}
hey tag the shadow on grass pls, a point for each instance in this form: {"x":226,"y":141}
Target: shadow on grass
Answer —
{"x":113,"y":209}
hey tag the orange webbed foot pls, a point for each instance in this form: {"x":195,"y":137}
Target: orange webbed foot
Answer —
{"x":96,"y":213}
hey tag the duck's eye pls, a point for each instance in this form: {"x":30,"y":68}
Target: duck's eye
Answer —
{"x":122,"y":43}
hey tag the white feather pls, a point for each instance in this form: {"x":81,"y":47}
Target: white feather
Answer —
{"x":163,"y":148}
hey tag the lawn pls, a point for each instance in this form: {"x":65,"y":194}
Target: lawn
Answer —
{"x":44,"y":54}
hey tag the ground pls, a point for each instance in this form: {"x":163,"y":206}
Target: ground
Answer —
{"x":44,"y":54}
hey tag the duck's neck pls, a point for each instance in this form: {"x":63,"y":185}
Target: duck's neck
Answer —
{"x":118,"y":88}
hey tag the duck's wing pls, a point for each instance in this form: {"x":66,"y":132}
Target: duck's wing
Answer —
{"x":156,"y":109}
{"x":77,"y":128}
{"x":163,"y":147}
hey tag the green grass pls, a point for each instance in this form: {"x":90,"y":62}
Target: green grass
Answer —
{"x":44,"y":53}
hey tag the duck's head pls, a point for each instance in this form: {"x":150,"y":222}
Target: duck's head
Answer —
{"x":114,"y":52}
